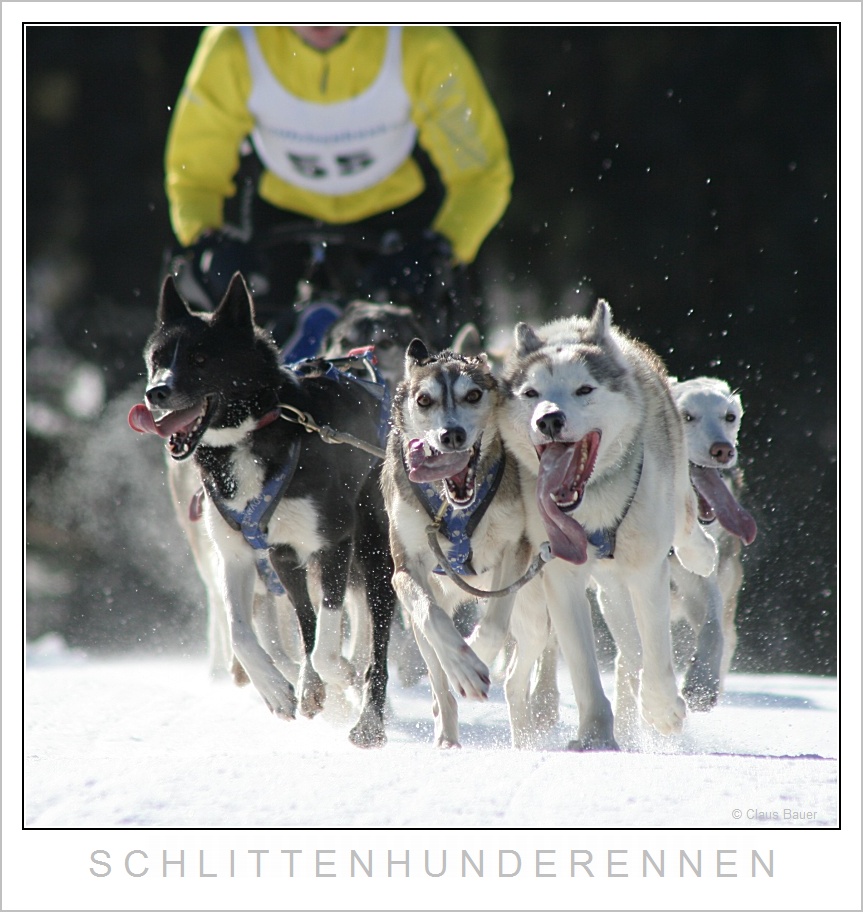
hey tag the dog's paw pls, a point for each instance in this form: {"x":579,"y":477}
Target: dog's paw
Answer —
{"x":282,"y":701}
{"x":664,"y":713}
{"x":336,"y":671}
{"x":700,"y":696}
{"x":443,"y":743}
{"x":593,"y":742}
{"x":313,"y":692}
{"x":369,"y":731}
{"x":238,"y":673}
{"x":468,"y":675}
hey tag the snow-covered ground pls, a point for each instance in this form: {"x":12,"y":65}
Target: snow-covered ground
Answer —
{"x":139,"y":765}
{"x":145,"y":742}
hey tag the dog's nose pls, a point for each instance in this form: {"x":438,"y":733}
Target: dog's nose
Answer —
{"x":454,"y":438}
{"x":158,"y":394}
{"x":722,"y":452}
{"x":551,"y":423}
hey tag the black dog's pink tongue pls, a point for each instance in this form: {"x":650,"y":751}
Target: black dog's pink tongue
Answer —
{"x":709,"y":484}
{"x":425,"y":465}
{"x":141,"y":420}
{"x":567,"y":538}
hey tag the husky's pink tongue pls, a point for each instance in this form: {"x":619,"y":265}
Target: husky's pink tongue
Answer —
{"x":710,"y":486}
{"x":424,"y":464}
{"x":141,"y":420}
{"x":567,"y":538}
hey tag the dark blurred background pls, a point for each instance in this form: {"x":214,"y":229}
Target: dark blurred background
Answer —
{"x":686,"y":174}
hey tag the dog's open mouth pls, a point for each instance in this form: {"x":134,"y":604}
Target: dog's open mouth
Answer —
{"x":183,"y":428}
{"x":564,"y":470}
{"x":715,"y":501}
{"x":457,"y":470}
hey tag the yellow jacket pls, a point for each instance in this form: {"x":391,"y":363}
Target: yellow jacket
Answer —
{"x":456,"y":121}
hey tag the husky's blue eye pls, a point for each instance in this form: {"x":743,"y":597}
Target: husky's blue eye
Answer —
{"x":473,"y":395}
{"x":584,"y":390}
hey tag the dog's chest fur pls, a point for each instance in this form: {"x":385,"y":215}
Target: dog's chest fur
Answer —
{"x":238,"y":474}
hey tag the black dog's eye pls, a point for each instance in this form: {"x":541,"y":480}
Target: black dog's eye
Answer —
{"x":424,"y":400}
{"x":473,"y":395}
{"x":584,"y":390}
{"x":731,"y":417}
{"x":199,"y":358}
{"x":530,"y":393}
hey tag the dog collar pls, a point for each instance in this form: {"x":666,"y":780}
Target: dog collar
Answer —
{"x":457,"y":526}
{"x":268,"y":418}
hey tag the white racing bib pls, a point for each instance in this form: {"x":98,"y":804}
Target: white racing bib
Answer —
{"x":338,"y":148}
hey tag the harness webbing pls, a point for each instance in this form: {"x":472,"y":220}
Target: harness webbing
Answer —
{"x":253,"y":519}
{"x":458,"y":525}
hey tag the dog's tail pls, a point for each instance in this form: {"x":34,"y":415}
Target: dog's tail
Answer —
{"x":467,"y":341}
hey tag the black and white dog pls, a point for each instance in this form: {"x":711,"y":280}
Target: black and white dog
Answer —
{"x":291,"y":519}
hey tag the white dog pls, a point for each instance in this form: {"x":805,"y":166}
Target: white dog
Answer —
{"x":711,"y":414}
{"x":605,"y":480}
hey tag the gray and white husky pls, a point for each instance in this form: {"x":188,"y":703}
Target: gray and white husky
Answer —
{"x":589,"y":415}
{"x":445,"y":463}
{"x":711,"y":418}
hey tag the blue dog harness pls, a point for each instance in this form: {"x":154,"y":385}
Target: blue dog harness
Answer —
{"x":458,"y":525}
{"x":253,"y":519}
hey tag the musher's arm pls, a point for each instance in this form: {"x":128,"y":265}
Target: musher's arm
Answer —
{"x":458,"y":127}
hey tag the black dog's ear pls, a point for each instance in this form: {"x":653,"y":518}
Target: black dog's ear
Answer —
{"x":171,"y":306}
{"x":236,"y":308}
{"x":417,"y":352}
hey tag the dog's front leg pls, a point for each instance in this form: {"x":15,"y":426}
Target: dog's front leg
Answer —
{"x":701,"y":685}
{"x":239,"y":575}
{"x":327,"y":581}
{"x":530,"y":634}
{"x":278,"y":631}
{"x":661,"y":704}
{"x":489,"y":636}
{"x":444,"y":706}
{"x":569,"y":611}
{"x":616,"y":606}
{"x":184,"y":482}
{"x":467,"y":673}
